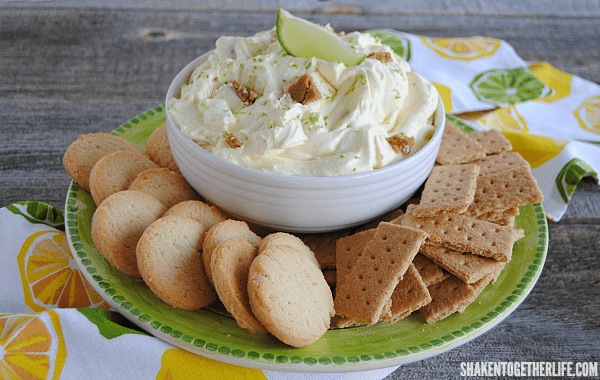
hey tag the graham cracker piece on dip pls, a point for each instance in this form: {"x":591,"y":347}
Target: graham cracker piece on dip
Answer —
{"x":304,"y":90}
{"x":368,"y":287}
{"x":430,"y":272}
{"x":503,"y":190}
{"x":468,"y":267}
{"x":410,"y":294}
{"x":493,"y":141}
{"x":449,"y":189}
{"x":457,"y":147}
{"x":466,"y":234}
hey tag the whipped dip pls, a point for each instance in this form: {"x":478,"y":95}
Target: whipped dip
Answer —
{"x":348,"y":129}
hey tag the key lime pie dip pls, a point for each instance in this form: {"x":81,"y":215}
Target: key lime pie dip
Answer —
{"x":300,"y":110}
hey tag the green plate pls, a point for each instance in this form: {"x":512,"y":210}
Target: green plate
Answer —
{"x":217,"y":336}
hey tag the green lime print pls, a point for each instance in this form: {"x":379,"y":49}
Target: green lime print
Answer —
{"x":501,"y":88}
{"x":400,"y":45}
{"x":570,"y":175}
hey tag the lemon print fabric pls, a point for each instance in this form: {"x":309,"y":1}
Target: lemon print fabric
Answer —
{"x":557,"y":81}
{"x":178,"y":364}
{"x":570,"y":175}
{"x":399,"y":44}
{"x":588,"y":114}
{"x":467,"y":48}
{"x":50,"y":275}
{"x":31,"y":346}
{"x":506,"y":119}
{"x":503,"y":87}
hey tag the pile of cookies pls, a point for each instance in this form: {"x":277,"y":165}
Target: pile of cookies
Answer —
{"x":436,"y":257}
{"x":151,"y":225}
{"x":456,"y":238}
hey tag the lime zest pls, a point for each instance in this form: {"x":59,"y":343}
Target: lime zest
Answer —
{"x":304,"y":39}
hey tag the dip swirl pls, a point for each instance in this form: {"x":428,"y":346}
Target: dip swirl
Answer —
{"x":352,"y":127}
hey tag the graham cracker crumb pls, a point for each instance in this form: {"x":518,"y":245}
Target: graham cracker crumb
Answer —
{"x":384,"y":57}
{"x":304,"y":90}
{"x":233,"y":141}
{"x":401,"y":143}
{"x":247,"y":96}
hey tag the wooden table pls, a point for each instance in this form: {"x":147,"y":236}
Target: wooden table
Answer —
{"x":68,"y":68}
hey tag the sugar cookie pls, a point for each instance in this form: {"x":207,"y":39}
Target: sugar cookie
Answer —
{"x":282,"y":238}
{"x":159,"y":149}
{"x":83,"y":153}
{"x":170,"y":262}
{"x":115,"y":172}
{"x":165,"y":185}
{"x":118,"y":224}
{"x":230,"y":264}
{"x":289,"y":296}
{"x":200,"y":211}
{"x":219,"y":233}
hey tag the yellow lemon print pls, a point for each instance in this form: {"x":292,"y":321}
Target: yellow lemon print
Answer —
{"x":535,"y":149}
{"x":181,"y":364}
{"x":50,"y":275}
{"x":467,"y":48}
{"x":30,"y":347}
{"x":446,"y":95}
{"x":503,"y":119}
{"x":558,"y":81}
{"x":588,"y":114}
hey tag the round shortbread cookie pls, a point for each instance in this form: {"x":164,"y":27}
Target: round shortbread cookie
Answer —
{"x":170,"y":262}
{"x":83,"y":153}
{"x":283,"y":238}
{"x":167,"y":186}
{"x":230,"y":264}
{"x":219,"y":233}
{"x":290,"y":296}
{"x":118,"y":224}
{"x":115,"y":172}
{"x":159,"y":149}
{"x":197,"y":210}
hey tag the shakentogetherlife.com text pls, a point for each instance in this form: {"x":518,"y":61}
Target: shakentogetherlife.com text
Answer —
{"x":529,"y":369}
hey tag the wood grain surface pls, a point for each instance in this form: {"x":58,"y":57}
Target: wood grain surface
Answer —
{"x":68,"y":69}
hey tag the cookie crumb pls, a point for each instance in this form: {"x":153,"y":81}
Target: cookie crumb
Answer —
{"x":233,"y":141}
{"x":401,"y":143}
{"x":303,"y":90}
{"x":246,"y":95}
{"x":384,"y":57}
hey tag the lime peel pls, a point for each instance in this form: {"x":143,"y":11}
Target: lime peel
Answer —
{"x":304,"y":39}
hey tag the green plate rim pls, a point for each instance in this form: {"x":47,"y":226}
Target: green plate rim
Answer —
{"x":270,"y":354}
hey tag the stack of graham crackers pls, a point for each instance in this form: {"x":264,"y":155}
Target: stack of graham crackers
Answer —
{"x":440,"y":254}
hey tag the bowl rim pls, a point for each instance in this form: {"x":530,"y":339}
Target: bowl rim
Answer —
{"x":246,"y":173}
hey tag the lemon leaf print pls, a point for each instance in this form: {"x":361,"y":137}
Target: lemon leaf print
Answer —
{"x":110,"y":324}
{"x":32,"y":346}
{"x":50,"y":275}
{"x":40,"y":213}
{"x":570,"y":175}
{"x":588,"y":114}
{"x":503,"y":87}
{"x":400,"y":45}
{"x":459,"y":123}
{"x":467,"y":48}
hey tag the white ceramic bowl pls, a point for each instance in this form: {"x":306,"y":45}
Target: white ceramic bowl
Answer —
{"x":299,"y":204}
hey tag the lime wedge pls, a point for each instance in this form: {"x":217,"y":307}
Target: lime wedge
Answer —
{"x":304,"y":39}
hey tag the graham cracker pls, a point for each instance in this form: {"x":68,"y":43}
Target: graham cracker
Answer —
{"x":447,"y":297}
{"x":506,"y":189}
{"x":468,"y":267}
{"x":500,"y":162}
{"x":504,"y":217}
{"x":388,"y":217}
{"x":410,"y":294}
{"x":323,"y":246}
{"x":466,"y":234}
{"x":430,"y":272}
{"x":330,"y":276}
{"x":448,"y":189}
{"x":348,"y":250}
{"x":493,"y":141}
{"x":372,"y":280}
{"x":457,"y":147}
